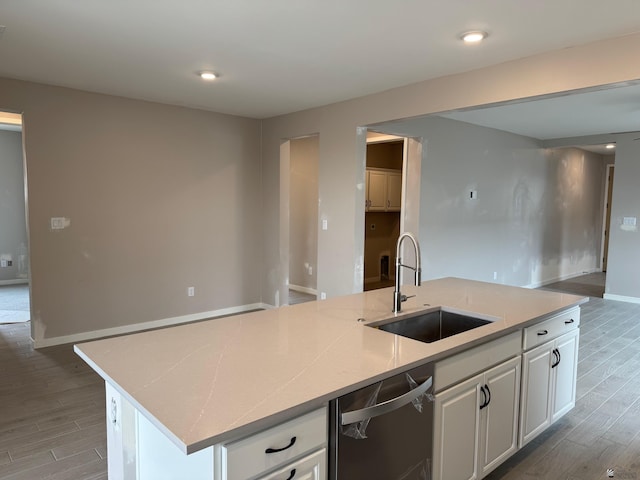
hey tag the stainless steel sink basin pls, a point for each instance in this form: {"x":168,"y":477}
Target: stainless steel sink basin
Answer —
{"x":432,"y":326}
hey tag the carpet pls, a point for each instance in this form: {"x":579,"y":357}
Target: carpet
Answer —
{"x":14,"y":304}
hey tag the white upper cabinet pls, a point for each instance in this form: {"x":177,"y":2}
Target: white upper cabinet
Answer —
{"x":383,"y":190}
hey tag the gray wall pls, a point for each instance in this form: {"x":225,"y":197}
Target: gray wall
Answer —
{"x":303,"y":212}
{"x":160,"y":198}
{"x":538,"y":215}
{"x":13,"y":232}
{"x":623,"y":279}
{"x":342,"y":143}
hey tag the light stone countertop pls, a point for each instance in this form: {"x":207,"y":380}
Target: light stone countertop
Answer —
{"x":208,"y":382}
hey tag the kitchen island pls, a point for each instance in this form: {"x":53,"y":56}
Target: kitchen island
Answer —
{"x":206,"y":385}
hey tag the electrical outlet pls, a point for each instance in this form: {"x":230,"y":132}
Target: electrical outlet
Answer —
{"x":495,"y":275}
{"x":191,"y":291}
{"x":323,"y":296}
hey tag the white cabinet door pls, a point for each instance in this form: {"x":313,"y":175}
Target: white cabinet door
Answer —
{"x":312,"y":467}
{"x":564,"y":395}
{"x":536,"y":390}
{"x":476,"y":423}
{"x":548,"y":385}
{"x":455,"y":433}
{"x":499,"y":426}
{"x":377,"y":191}
{"x":394,"y":191}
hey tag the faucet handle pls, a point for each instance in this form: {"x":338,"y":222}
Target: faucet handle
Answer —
{"x":404,"y":298}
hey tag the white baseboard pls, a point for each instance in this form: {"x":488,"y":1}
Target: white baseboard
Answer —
{"x":561,"y":278}
{"x":299,"y":288}
{"x":621,"y":298}
{"x":138,"y":327}
{"x":15,"y":281}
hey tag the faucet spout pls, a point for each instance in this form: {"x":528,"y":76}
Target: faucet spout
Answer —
{"x":398,"y":298}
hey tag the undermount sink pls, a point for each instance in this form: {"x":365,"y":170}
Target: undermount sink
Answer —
{"x":432,"y":326}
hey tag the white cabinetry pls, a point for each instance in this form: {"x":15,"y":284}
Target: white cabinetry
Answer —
{"x":475,"y":424}
{"x":139,"y":450}
{"x":499,"y":422}
{"x":160,"y":459}
{"x":311,"y":467}
{"x":121,"y":436}
{"x":549,"y":373}
{"x":280,"y":447}
{"x":383,"y":190}
{"x":549,"y":384}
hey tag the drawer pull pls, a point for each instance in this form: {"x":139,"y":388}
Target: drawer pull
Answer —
{"x":556,"y":353}
{"x":543,"y":332}
{"x":487,"y":396}
{"x":276,"y":450}
{"x":484,"y":398}
{"x":293,"y":474}
{"x":567,"y":322}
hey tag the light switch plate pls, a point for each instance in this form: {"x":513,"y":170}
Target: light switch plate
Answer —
{"x":58,"y":223}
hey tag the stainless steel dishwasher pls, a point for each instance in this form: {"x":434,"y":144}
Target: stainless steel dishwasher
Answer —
{"x":384,"y":431}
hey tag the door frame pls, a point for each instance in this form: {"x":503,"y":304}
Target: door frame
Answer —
{"x":410,"y":198}
{"x":606,"y":216}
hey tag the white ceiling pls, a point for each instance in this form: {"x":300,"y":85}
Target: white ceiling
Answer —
{"x":280,"y":56}
{"x":611,"y":110}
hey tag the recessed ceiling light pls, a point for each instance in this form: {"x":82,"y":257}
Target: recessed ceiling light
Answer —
{"x":474,"y":36}
{"x":207,"y":75}
{"x":609,"y":146}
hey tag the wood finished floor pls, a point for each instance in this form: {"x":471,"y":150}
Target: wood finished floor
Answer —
{"x":603,"y":430}
{"x":52,"y":420}
{"x":296,"y":297}
{"x":52,"y":423}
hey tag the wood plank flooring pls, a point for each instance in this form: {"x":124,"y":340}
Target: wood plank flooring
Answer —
{"x":603,"y":430}
{"x":589,"y":285}
{"x":52,"y":420}
{"x":52,"y":423}
{"x":296,"y":297}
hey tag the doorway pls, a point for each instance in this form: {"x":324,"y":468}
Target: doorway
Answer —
{"x":383,"y":207}
{"x":14,"y":257}
{"x":303,"y":219}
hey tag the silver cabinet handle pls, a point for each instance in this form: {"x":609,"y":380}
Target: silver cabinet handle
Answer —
{"x":386,"y":407}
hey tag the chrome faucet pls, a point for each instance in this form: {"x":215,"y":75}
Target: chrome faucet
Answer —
{"x":398,"y":298}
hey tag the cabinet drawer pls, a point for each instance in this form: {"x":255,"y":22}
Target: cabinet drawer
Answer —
{"x":554,"y":327}
{"x":274,"y":447}
{"x":312,"y":467}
